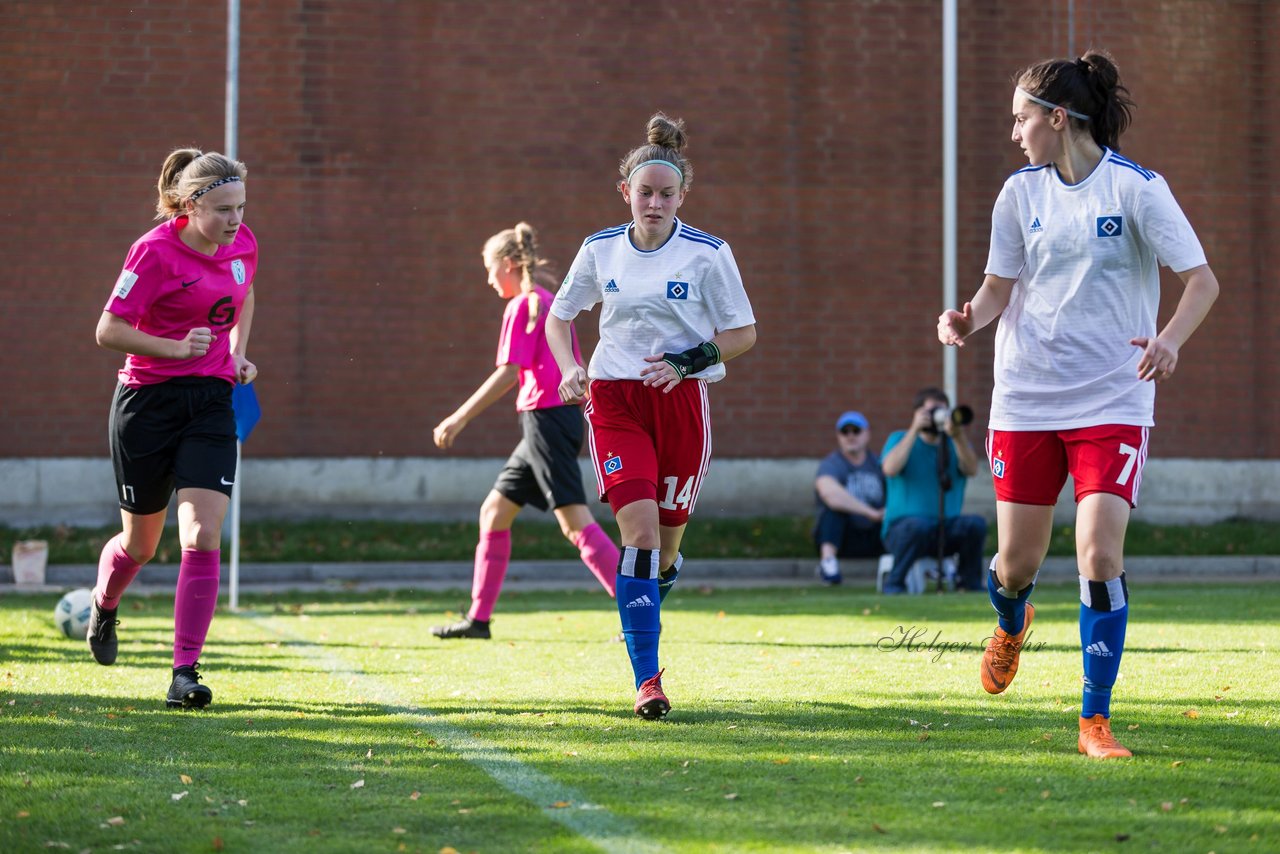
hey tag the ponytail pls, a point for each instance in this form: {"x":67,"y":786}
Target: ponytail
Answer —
{"x":1089,"y":86}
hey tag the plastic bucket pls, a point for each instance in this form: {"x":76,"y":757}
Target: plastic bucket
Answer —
{"x":30,"y":557}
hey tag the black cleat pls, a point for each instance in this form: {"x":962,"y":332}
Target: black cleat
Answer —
{"x":464,"y":628}
{"x":186,"y":692}
{"x":102,"y":632}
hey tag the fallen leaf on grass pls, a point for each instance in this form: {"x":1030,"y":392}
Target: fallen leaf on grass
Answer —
{"x":732,"y":796}
{"x":415,"y":795}
{"x":1166,"y":806}
{"x":786,"y":760}
{"x":1132,"y":727}
{"x":939,"y":804}
{"x":177,"y":796}
{"x":116,"y":820}
{"x":23,"y":814}
{"x":1045,"y":794}
{"x":1177,"y":763}
{"x":559,"y":805}
{"x":217,"y":843}
{"x":448,"y":849}
{"x":398,"y":830}
{"x":924,"y":736}
{"x":358,"y":784}
{"x":1220,"y":828}
{"x":368,"y":754}
{"x":877,"y":828}
{"x":1191,"y":713}
{"x":185,"y":779}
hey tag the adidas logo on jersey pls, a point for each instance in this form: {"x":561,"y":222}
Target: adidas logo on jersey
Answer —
{"x":645,"y":602}
{"x":1036,"y":227}
{"x":1099,"y":649}
{"x":611,"y":288}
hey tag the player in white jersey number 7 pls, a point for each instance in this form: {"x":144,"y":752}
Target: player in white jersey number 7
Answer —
{"x":1077,"y":239}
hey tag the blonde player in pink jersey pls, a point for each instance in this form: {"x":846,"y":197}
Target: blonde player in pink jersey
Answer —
{"x":1077,"y":239}
{"x":181,"y":311}
{"x":543,"y":469}
{"x":674,"y":310}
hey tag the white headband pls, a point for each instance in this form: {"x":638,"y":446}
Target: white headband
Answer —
{"x":650,"y":163}
{"x":1050,"y":105}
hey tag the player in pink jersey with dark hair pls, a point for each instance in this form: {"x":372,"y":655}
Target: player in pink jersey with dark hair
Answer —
{"x":181,"y":310}
{"x":543,"y":469}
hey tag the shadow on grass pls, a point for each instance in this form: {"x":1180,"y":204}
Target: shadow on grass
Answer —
{"x":878,"y":776}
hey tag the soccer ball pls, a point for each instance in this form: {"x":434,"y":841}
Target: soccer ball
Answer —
{"x":71,"y":615}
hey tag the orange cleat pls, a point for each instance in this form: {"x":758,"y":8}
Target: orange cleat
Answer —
{"x":1097,"y":741}
{"x":651,"y":703}
{"x":1000,"y":660}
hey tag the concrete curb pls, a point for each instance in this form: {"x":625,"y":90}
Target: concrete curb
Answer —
{"x":531,"y":575}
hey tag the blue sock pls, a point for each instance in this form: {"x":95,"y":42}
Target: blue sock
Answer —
{"x":1104,"y":614}
{"x":669,"y":576}
{"x":1011,"y":606}
{"x":639,"y":607}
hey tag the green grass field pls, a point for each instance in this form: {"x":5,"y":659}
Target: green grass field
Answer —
{"x":339,"y":724}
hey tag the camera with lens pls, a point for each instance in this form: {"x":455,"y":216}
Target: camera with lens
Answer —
{"x":940,"y":416}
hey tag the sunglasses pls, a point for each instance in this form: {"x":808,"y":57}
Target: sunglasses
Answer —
{"x":851,"y":430}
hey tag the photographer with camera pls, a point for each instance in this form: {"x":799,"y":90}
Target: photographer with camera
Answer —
{"x":926,"y":469}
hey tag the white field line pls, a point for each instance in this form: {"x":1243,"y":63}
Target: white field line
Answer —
{"x":590,"y":821}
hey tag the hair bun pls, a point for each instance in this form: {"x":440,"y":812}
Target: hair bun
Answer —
{"x":667,"y":132}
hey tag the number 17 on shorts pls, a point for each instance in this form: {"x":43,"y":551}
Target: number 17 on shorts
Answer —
{"x":1030,"y":467}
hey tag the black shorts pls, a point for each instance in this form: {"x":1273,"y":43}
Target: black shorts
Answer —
{"x":176,"y":434}
{"x":543,"y":469}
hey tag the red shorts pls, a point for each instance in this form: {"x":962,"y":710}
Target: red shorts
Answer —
{"x":1030,"y":467}
{"x":657,"y":443}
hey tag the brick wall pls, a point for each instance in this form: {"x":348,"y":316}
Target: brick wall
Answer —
{"x":386,"y":141}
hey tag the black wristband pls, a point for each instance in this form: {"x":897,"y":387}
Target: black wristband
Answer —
{"x":693,"y":360}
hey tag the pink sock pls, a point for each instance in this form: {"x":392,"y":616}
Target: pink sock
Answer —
{"x":115,"y":570}
{"x":599,"y":554}
{"x":493,"y":553}
{"x":194,"y":603}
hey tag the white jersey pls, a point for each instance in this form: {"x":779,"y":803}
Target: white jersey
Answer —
{"x":665,"y":300}
{"x":1086,"y":258}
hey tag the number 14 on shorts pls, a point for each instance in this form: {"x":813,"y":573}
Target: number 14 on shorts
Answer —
{"x":672,"y":500}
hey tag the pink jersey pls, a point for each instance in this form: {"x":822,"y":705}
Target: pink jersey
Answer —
{"x":539,"y":373}
{"x":167,"y":289}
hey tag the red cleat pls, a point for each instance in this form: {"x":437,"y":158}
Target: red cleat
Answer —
{"x":651,"y":703}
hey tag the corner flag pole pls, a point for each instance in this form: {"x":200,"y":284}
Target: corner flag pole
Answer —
{"x":232,"y":131}
{"x":233,"y":77}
